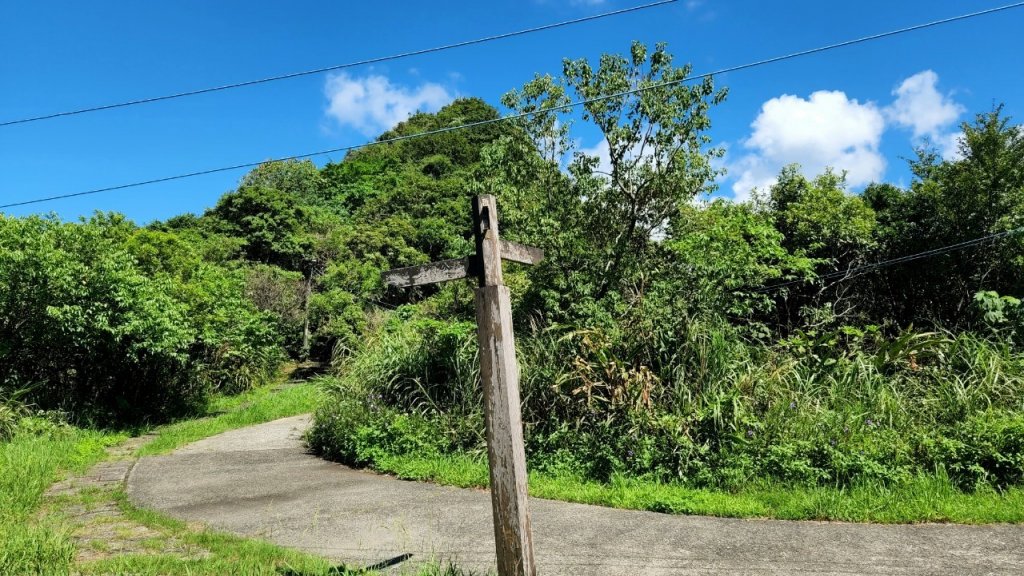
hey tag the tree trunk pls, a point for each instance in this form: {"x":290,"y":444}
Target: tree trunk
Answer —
{"x":306,"y":336}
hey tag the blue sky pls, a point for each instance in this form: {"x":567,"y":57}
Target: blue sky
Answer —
{"x":860,"y":109}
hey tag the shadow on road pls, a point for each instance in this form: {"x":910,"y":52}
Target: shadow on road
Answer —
{"x":343,"y":570}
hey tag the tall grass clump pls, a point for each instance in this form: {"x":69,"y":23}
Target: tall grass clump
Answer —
{"x":414,"y":389}
{"x":12,"y":410}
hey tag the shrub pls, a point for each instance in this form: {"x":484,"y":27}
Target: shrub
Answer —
{"x":694,"y":402}
{"x":362,"y":433}
{"x":236,"y":346}
{"x":113,"y":325}
{"x":82,"y":319}
{"x":985,"y":450}
{"x":414,"y":388}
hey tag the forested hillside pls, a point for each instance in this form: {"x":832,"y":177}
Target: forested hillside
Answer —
{"x":665,"y":336}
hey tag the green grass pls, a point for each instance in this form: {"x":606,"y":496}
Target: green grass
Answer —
{"x":36,"y":539}
{"x":222,"y":553}
{"x":922,"y":499}
{"x":229,"y":412}
{"x":29,"y":463}
{"x":40,"y":454}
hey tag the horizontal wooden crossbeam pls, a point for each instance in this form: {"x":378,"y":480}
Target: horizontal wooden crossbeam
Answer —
{"x":519,"y":253}
{"x":443,"y":271}
{"x":448,"y":270}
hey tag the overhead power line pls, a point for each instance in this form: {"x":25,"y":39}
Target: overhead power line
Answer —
{"x":522,"y":115}
{"x":861,"y":270}
{"x":376,"y":60}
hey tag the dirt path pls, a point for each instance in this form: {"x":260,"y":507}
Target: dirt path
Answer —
{"x":259,"y":481}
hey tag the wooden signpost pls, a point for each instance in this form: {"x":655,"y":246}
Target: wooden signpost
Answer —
{"x":499,"y":373}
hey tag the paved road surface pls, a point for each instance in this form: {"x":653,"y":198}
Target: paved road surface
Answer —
{"x":259,"y":481}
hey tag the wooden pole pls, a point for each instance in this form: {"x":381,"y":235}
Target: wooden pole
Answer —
{"x":499,"y":374}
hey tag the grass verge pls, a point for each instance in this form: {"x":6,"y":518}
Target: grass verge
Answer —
{"x":39,"y":534}
{"x":29,"y":463}
{"x":205,"y":552}
{"x":43,"y":535}
{"x":922,"y":499}
{"x":229,"y":412}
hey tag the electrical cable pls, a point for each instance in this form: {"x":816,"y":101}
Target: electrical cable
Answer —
{"x":527,"y":114}
{"x":324,"y":69}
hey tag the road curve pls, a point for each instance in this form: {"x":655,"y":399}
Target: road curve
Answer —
{"x":260,"y":481}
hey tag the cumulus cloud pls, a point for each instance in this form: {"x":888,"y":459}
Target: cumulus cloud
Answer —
{"x":921,"y":107}
{"x":928,"y":113}
{"x":828,"y":129}
{"x":372,"y":104}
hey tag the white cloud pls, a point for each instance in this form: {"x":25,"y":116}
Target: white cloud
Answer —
{"x":949,"y":145}
{"x":830,"y":130}
{"x":920,"y":106}
{"x":927,"y":112}
{"x":373,"y":104}
{"x":826,"y":130}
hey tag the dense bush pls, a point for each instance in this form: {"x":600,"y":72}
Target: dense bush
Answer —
{"x":718,"y":344}
{"x":987,"y":449}
{"x":414,"y":389}
{"x":114,"y":323}
{"x":236,"y":346}
{"x":830,"y":409}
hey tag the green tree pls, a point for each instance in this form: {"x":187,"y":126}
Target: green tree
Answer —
{"x":89,"y":329}
{"x":300,"y":179}
{"x":719,"y":254}
{"x":819,"y":219}
{"x":273,"y":225}
{"x":599,"y":222}
{"x":953,"y":201}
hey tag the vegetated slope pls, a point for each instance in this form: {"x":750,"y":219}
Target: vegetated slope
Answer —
{"x":657,"y":344}
{"x":708,"y":344}
{"x":147,"y":321}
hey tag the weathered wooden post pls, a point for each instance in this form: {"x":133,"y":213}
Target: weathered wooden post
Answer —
{"x":499,"y":374}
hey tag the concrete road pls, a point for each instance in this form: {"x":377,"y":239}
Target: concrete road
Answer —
{"x":259,"y":481}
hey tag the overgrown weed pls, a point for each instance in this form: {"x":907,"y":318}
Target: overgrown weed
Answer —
{"x":848,"y":413}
